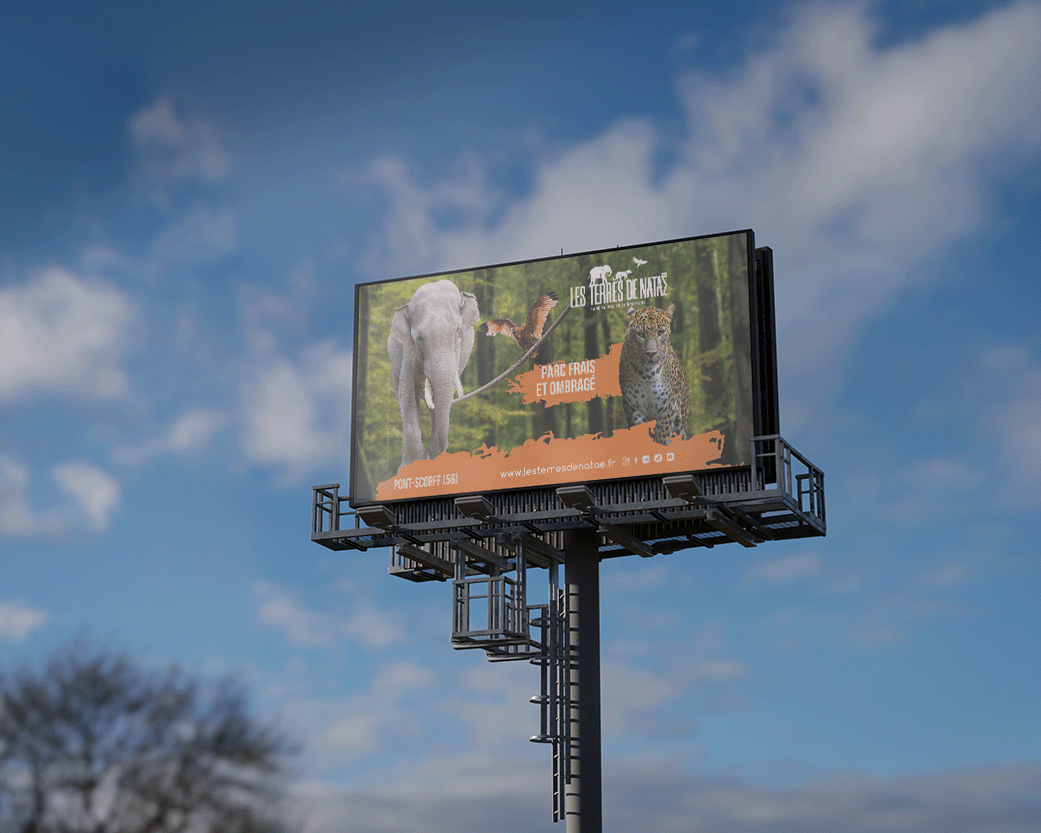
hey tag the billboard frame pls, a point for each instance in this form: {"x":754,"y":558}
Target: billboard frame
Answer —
{"x":762,"y":361}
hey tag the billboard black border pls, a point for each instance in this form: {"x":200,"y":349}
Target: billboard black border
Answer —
{"x":762,"y":327}
{"x":767,"y":419}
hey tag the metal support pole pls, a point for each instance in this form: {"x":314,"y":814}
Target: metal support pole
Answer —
{"x":583,"y":798}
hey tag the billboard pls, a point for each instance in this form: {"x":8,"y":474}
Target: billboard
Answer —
{"x":620,"y":363}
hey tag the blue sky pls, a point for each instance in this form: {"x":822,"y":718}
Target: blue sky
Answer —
{"x":188,"y":194}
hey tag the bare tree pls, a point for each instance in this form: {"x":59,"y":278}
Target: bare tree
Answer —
{"x":94,"y":743}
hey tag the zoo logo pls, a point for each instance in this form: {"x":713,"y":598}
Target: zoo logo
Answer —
{"x":609,"y":287}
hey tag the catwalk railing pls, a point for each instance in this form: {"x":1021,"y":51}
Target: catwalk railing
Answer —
{"x":779,"y":496}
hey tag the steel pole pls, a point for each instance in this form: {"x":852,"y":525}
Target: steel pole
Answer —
{"x":583,"y":796}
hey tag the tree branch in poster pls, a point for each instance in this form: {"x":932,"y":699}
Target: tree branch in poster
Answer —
{"x":519,"y":361}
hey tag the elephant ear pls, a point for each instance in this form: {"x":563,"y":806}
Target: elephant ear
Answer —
{"x":468,"y":309}
{"x":400,"y":329}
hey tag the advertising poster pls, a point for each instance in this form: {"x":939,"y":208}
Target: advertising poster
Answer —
{"x":644,"y":368}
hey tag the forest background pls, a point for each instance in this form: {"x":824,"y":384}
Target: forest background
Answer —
{"x":707,"y":281}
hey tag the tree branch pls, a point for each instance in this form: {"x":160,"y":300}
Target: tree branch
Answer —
{"x":519,"y":361}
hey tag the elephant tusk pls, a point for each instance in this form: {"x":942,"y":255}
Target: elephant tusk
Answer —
{"x":428,"y":394}
{"x":459,"y":385}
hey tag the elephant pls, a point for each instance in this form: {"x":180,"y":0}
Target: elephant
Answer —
{"x":430,"y":341}
{"x":599,"y":274}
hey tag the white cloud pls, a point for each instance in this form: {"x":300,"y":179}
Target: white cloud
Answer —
{"x":1011,"y":379}
{"x":412,"y":233}
{"x":358,"y":730}
{"x":365,"y":624}
{"x":355,"y":734}
{"x":997,"y":407}
{"x":888,"y":618}
{"x":103,"y":259}
{"x":634,"y":700}
{"x":18,"y":621}
{"x":638,"y":578}
{"x":94,"y":496}
{"x":302,"y":627}
{"x":202,"y":234}
{"x":465,"y":792}
{"x":188,"y":434}
{"x":705,"y":669}
{"x":506,"y":796}
{"x":297,"y":413}
{"x":854,"y":162}
{"x":346,"y":728}
{"x":61,"y":333}
{"x":697,"y":678}
{"x":968,"y":800}
{"x":173,"y":150}
{"x":947,"y":575}
{"x":15,"y":516}
{"x":94,"y":491}
{"x":491,"y":703}
{"x":924,"y":490}
{"x":784,"y":570}
{"x":192,"y":429}
{"x":720,"y":670}
{"x":282,"y":416}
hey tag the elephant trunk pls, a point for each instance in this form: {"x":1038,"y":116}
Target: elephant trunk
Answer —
{"x":428,"y":393}
{"x":442,"y":382}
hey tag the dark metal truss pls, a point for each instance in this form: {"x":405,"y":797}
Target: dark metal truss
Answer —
{"x":780,"y":496}
{"x":486,"y":544}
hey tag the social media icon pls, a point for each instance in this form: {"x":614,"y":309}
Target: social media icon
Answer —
{"x":670,"y":456}
{"x":646,"y":458}
{"x":657,"y":458}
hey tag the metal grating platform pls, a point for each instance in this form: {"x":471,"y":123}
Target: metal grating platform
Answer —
{"x":780,"y":496}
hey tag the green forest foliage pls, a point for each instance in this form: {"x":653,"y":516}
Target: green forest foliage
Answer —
{"x":707,"y":281}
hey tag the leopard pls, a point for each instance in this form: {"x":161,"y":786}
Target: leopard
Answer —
{"x":650,"y":375}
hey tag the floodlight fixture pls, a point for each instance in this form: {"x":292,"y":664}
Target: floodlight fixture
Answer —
{"x":577,"y":497}
{"x":475,"y":506}
{"x":685,"y":486}
{"x":379,"y":516}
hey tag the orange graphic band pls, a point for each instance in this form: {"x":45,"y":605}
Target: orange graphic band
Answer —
{"x":629,"y":452}
{"x":561,"y":382}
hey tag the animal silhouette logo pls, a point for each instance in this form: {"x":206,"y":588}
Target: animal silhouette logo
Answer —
{"x":599,"y":274}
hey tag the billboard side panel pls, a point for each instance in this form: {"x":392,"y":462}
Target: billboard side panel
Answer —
{"x":359,"y":482}
{"x":649,"y":367}
{"x":742,"y":378}
{"x":765,"y":366}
